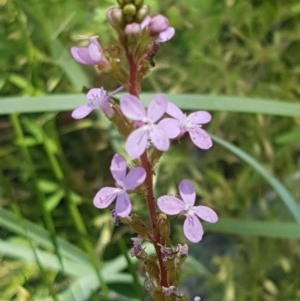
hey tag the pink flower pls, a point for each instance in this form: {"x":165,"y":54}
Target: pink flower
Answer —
{"x":124,"y":182}
{"x":148,"y":129}
{"x":92,"y":54}
{"x":172,"y":205}
{"x":159,"y":25}
{"x":97,"y":98}
{"x":192,"y":124}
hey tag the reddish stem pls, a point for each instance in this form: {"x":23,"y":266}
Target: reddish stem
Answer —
{"x":133,"y":80}
{"x":133,"y":88}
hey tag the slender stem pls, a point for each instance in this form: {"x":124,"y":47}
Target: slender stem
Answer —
{"x":133,"y":81}
{"x":133,"y":88}
{"x":153,"y":218}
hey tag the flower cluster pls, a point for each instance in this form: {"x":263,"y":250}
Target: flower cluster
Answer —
{"x":147,"y":130}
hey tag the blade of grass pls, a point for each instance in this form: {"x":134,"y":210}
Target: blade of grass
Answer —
{"x":256,"y":228}
{"x":83,"y":287}
{"x":47,"y":260}
{"x":280,"y":189}
{"x":67,"y":102}
{"x":40,"y":236}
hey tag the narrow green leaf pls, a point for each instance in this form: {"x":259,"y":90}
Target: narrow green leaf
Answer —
{"x":272,"y":229}
{"x":280,"y":189}
{"x":40,"y":236}
{"x":66,"y":102}
{"x":48,"y":260}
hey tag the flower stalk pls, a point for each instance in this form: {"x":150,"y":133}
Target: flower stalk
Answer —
{"x":149,"y":133}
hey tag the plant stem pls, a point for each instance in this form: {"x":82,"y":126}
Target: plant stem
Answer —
{"x":133,"y":88}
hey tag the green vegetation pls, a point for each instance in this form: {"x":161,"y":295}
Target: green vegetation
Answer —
{"x":239,"y":60}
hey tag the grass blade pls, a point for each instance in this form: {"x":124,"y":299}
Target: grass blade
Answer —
{"x":280,"y":189}
{"x":256,"y":228}
{"x":67,"y":102}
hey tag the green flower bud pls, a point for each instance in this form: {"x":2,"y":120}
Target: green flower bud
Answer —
{"x":138,"y":3}
{"x":142,"y":13}
{"x":129,"y":10}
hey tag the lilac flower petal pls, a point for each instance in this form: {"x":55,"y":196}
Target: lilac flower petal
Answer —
{"x":145,"y":22}
{"x":82,"y":111}
{"x":132,"y":107}
{"x":159,"y":138}
{"x":157,"y":107}
{"x":105,"y":196}
{"x":206,"y":213}
{"x":137,"y":142}
{"x":123,"y":205}
{"x":174,"y":111}
{"x":118,"y":169}
{"x":200,"y":117}
{"x":97,"y":94}
{"x":200,"y":138}
{"x":100,"y":98}
{"x":170,"y":126}
{"x":192,"y":229}
{"x":187,"y":192}
{"x":80,"y":55}
{"x":165,"y":35}
{"x":107,"y":109}
{"x":135,"y":178}
{"x":170,"y":205}
{"x":95,"y":51}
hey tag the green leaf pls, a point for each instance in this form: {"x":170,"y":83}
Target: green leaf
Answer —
{"x":280,"y":189}
{"x":67,"y":102}
{"x":256,"y":228}
{"x":39,"y":236}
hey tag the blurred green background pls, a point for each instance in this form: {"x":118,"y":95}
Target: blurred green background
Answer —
{"x":51,"y":166}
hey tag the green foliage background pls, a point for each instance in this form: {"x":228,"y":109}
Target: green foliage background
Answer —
{"x":224,"y":55}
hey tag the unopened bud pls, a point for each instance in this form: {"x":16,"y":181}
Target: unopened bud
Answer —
{"x":133,"y":29}
{"x":138,"y":3}
{"x":158,"y":24}
{"x":129,"y":10}
{"x":142,"y":13}
{"x":115,"y":17}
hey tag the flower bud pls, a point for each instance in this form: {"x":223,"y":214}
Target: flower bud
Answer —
{"x":115,"y":17}
{"x":129,"y":10}
{"x":138,"y":3}
{"x":158,"y":24}
{"x":133,"y":29}
{"x":142,"y":13}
